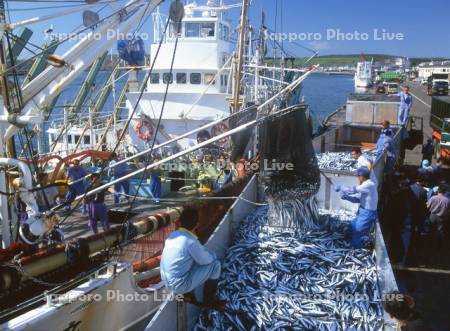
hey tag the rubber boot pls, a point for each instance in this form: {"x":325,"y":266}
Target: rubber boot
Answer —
{"x":190,"y":298}
{"x":209,"y":294}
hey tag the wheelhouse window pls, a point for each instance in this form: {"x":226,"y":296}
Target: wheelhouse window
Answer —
{"x":154,"y":78}
{"x":76,"y":139}
{"x":167,"y":78}
{"x":207,"y":30}
{"x":195,"y":78}
{"x":69,"y":139}
{"x":210,"y":79}
{"x":192,"y":30}
{"x":223,"y":58}
{"x":200,"y":30}
{"x":181,"y":78}
{"x":224,"y":32}
{"x":87,"y":140}
{"x":223,"y":80}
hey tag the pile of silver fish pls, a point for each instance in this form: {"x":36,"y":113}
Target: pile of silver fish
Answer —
{"x":301,"y":214}
{"x":276,"y":279}
{"x":340,"y":160}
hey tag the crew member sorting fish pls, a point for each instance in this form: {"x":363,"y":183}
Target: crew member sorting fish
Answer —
{"x":362,"y":224}
{"x":362,"y":161}
{"x":186,"y":263}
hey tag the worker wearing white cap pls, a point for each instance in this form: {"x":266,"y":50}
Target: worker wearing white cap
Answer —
{"x":364,"y":221}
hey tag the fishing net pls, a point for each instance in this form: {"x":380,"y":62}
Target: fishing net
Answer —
{"x":146,"y":246}
{"x":241,"y":140}
{"x":289,"y":172}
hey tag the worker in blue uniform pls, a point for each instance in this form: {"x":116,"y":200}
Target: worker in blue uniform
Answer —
{"x":75,"y":177}
{"x":387,"y":143}
{"x":361,"y":226}
{"x":155,"y":181}
{"x":406,"y":101}
{"x":186,"y":263}
{"x":116,"y":172}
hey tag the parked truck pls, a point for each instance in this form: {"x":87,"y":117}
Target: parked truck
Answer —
{"x":440,"y":123}
{"x":438,"y":84}
{"x":392,"y":77}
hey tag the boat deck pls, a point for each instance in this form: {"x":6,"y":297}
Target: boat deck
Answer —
{"x":76,"y":225}
{"x":421,"y":108}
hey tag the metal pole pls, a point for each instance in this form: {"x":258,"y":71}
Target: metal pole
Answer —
{"x":65,"y":140}
{"x":4,"y":107}
{"x":5,"y":231}
{"x":240,"y":59}
{"x":91,"y":131}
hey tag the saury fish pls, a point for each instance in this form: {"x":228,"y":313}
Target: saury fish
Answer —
{"x":284,"y":279}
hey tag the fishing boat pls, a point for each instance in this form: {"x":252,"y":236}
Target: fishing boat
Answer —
{"x":199,"y":77}
{"x":364,"y":74}
{"x":48,"y":282}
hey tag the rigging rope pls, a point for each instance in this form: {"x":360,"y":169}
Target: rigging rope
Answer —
{"x":144,"y":174}
{"x":64,"y":131}
{"x":70,"y":36}
{"x":142,"y":89}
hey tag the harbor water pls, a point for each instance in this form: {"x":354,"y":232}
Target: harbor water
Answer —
{"x":325,"y":93}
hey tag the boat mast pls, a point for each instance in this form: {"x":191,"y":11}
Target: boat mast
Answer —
{"x":240,"y":59}
{"x":11,"y":151}
{"x":4,"y":105}
{"x":3,"y":78}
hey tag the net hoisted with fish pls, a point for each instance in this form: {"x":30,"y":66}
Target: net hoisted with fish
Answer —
{"x":289,"y":172}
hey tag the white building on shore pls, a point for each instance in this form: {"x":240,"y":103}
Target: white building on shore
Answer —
{"x":425,"y":70}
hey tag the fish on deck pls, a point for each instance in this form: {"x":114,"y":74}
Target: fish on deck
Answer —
{"x":295,"y":280}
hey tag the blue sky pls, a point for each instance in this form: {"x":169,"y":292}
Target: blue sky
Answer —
{"x":425,"y":25}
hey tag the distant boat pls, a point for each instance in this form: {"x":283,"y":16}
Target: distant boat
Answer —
{"x":363,"y":75}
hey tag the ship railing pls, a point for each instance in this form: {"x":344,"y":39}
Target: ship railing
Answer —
{"x":98,"y":123}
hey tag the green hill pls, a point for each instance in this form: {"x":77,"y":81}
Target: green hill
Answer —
{"x":352,"y":59}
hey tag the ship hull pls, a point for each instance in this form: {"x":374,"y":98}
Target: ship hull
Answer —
{"x":362,"y":82}
{"x":182,"y":112}
{"x":103,"y":302}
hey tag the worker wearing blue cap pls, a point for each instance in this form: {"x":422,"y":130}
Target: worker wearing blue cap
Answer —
{"x":186,"y":263}
{"x":364,"y":221}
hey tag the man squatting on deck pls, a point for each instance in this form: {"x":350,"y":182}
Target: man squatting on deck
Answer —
{"x":362,"y":224}
{"x":186,"y":263}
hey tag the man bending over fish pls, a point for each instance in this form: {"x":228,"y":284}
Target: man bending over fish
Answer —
{"x":186,"y":263}
{"x":362,"y":224}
